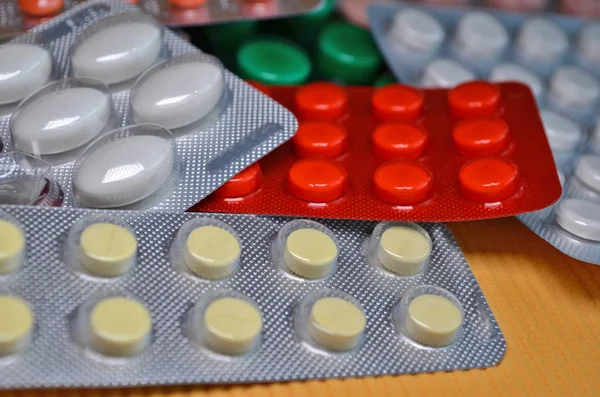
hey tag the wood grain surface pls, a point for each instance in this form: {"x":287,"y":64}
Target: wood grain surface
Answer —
{"x":547,"y":305}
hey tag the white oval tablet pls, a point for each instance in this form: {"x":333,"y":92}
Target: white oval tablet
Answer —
{"x":588,"y":171}
{"x":60,"y":121}
{"x":580,"y":217}
{"x":178,"y":95}
{"x":481,"y":35}
{"x":417,"y":30}
{"x":24,"y":69}
{"x":563,"y":134}
{"x":589,"y":43}
{"x":445,"y":73}
{"x":514,"y":72}
{"x":572,"y":86}
{"x":118,"y":52}
{"x":541,"y":40}
{"x":124,"y":171}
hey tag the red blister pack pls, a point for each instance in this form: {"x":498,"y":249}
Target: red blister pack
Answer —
{"x":476,"y":151}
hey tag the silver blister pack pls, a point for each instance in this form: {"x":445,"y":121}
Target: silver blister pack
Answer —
{"x":557,"y":56}
{"x":204,"y":151}
{"x":64,"y":299}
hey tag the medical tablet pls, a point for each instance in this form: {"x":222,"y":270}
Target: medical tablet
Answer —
{"x":481,"y":35}
{"x":542,"y":40}
{"x":336,"y":324}
{"x":16,"y":325}
{"x":513,"y":72}
{"x":107,"y":249}
{"x":118,"y":52}
{"x":445,"y":73}
{"x":24,"y":69}
{"x":404,"y":250}
{"x":589,"y":43}
{"x":232,"y":326}
{"x":588,"y":171}
{"x":310,"y":253}
{"x":573,"y":87}
{"x":120,"y":327}
{"x":12,"y":247}
{"x":416,"y":30}
{"x":211,"y":252}
{"x":563,"y":134}
{"x":433,"y":320}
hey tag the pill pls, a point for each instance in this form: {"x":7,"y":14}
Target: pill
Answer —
{"x":403,"y":183}
{"x":399,"y":140}
{"x":177,"y":95}
{"x":211,"y":252}
{"x":474,"y":98}
{"x":120,"y":327}
{"x":480,"y":136}
{"x":397,"y":102}
{"x":336,"y":324}
{"x":320,"y":139}
{"x":404,"y":250}
{"x":588,"y":171}
{"x":247,"y":181}
{"x":573,"y":87}
{"x":433,"y":320}
{"x":316,"y":180}
{"x":481,"y":35}
{"x":321,"y":101}
{"x":41,"y":8}
{"x":12,"y":247}
{"x":124,"y":171}
{"x":445,"y":73}
{"x":541,"y":40}
{"x":514,"y":72}
{"x":107,"y":249}
{"x":24,"y":69}
{"x":310,"y":253}
{"x":232,"y":326}
{"x":416,"y":30}
{"x":60,"y":121}
{"x":563,"y":134}
{"x":579,"y":217}
{"x":117,"y":52}
{"x":16,"y":325}
{"x":489,"y":179}
{"x":588,"y":44}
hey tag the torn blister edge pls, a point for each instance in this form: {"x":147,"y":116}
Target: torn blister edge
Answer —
{"x":55,"y":359}
{"x":251,"y":124}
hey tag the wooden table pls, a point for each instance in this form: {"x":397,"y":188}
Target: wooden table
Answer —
{"x":547,"y":305}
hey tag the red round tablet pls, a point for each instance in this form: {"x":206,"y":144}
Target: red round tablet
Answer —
{"x":187,"y":3}
{"x":474,"y":98}
{"x":320,"y":139}
{"x":403,"y":182}
{"x":321,"y":101}
{"x":316,"y":180}
{"x":244,"y":183}
{"x":489,"y":179}
{"x":41,"y":8}
{"x":397,"y":102}
{"x":481,"y":136}
{"x":260,"y":86}
{"x":399,"y":140}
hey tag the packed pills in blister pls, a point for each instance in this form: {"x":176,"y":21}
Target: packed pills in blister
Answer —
{"x":382,"y":153}
{"x":163,"y":297}
{"x":128,"y":114}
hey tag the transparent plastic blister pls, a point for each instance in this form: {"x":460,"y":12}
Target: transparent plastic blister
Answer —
{"x":556,"y":55}
{"x":184,"y":328}
{"x":219,"y":123}
{"x":19,"y":332}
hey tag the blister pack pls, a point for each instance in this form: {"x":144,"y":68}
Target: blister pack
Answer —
{"x":24,"y":14}
{"x":558,"y":56}
{"x":122,"y":113}
{"x":400,"y":153}
{"x":120,"y":298}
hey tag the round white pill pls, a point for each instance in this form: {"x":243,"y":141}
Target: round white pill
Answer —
{"x":561,"y":178}
{"x":310,"y":253}
{"x":563,"y":134}
{"x":107,"y":249}
{"x":588,"y":171}
{"x":24,"y":69}
{"x":16,"y":324}
{"x":481,"y":35}
{"x":433,"y":320}
{"x":124,"y":171}
{"x":416,"y":30}
{"x":541,"y":40}
{"x":445,"y":73}
{"x":514,"y":72}
{"x":211,"y":252}
{"x":573,"y":87}
{"x":336,"y":324}
{"x":60,"y":121}
{"x":580,"y":217}
{"x":589,"y":43}
{"x":177,"y":95}
{"x":12,"y":247}
{"x":404,"y":250}
{"x":117,"y":52}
